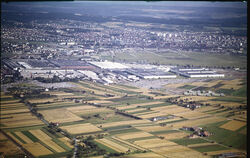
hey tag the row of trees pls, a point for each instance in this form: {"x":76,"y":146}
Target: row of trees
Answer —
{"x":55,"y":79}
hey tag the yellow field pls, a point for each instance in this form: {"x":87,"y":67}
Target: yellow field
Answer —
{"x":81,"y":128}
{"x":5,"y":96}
{"x":196,"y":98}
{"x":212,"y":83}
{"x":142,"y":104}
{"x":223,"y":151}
{"x":60,"y":115}
{"x":135,"y":110}
{"x":154,"y":143}
{"x":45,"y":138}
{"x":112,"y":145}
{"x":178,"y":151}
{"x":13,"y":111}
{"x":19,"y":120}
{"x":13,"y":137}
{"x":7,"y":147}
{"x":197,"y":122}
{"x":120,"y":123}
{"x":37,"y":149}
{"x":88,"y":89}
{"x":176,"y":135}
{"x":79,"y":108}
{"x":133,"y":135}
{"x":39,"y":134}
{"x":175,"y":111}
{"x":22,"y":123}
{"x":144,"y":155}
{"x":66,"y":141}
{"x":41,"y":100}
{"x":169,"y":120}
{"x":17,"y":117}
{"x":144,"y":91}
{"x":152,"y":115}
{"x":233,"y":125}
{"x":152,"y":128}
{"x":165,"y":107}
{"x":102,"y":88}
{"x":53,"y":145}
{"x":224,"y":103}
{"x":87,"y":110}
{"x":13,"y":105}
{"x":10,"y":101}
{"x":23,"y":137}
{"x":125,"y":142}
{"x":143,"y":113}
{"x":192,"y":114}
{"x":235,"y":84}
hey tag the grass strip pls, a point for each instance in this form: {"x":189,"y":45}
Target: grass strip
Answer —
{"x":18,"y":137}
{"x":61,"y":144}
{"x":30,"y":135}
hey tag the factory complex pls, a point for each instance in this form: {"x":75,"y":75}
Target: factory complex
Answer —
{"x":102,"y":71}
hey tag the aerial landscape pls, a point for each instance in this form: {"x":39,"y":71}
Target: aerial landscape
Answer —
{"x":130,"y":79}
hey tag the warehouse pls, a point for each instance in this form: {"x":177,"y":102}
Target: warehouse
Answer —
{"x":151,"y":73}
{"x":126,"y":74}
{"x":196,"y":72}
{"x":109,"y":65}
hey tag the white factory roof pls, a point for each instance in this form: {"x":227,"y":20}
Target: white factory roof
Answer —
{"x":90,"y":74}
{"x":109,"y":65}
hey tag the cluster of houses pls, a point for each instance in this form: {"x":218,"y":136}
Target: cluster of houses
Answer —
{"x":203,"y":93}
{"x":197,"y":132}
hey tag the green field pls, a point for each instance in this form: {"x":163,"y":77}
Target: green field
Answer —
{"x":31,"y":136}
{"x":226,"y":137}
{"x":210,"y":148}
{"x":187,"y":87}
{"x":187,"y":141}
{"x":164,"y":132}
{"x":230,"y":99}
{"x":187,"y":58}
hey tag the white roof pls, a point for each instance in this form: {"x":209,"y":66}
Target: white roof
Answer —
{"x":109,"y":65}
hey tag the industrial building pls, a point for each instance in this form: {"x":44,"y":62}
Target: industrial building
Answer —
{"x":126,"y":75}
{"x":196,"y":72}
{"x":108,"y":65}
{"x":150,"y":73}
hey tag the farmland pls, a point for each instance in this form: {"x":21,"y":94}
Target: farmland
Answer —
{"x":134,"y":122}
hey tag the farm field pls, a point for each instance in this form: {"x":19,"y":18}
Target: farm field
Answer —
{"x":37,"y":149}
{"x":7,"y":147}
{"x":125,"y":124}
{"x":112,"y":145}
{"x":59,"y":115}
{"x":233,"y":125}
{"x":81,"y":128}
{"x":144,"y":155}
